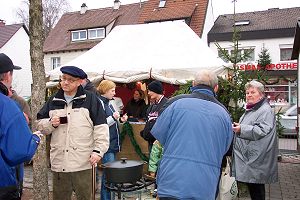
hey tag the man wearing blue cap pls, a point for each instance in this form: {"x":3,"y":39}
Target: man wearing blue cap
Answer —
{"x":17,"y":143}
{"x":79,"y":135}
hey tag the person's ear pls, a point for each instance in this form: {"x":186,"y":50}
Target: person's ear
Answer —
{"x":78,"y":82}
{"x":6,"y":75}
{"x":216,"y":88}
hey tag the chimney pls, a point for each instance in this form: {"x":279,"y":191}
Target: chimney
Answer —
{"x":83,"y":8}
{"x":2,"y":22}
{"x":117,"y":4}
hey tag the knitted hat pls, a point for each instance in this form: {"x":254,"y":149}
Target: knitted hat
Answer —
{"x":74,"y":71}
{"x":156,"y":86}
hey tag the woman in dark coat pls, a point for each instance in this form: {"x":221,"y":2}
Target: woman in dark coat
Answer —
{"x":136,"y":107}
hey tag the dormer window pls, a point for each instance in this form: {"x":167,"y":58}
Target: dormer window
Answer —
{"x":79,"y":35}
{"x":96,"y":33}
{"x":162,"y":3}
{"x":242,"y":23}
{"x":88,"y":34}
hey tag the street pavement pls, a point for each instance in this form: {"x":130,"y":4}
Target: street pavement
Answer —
{"x":288,"y":187}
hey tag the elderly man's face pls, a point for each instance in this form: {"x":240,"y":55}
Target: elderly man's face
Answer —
{"x":69,"y":84}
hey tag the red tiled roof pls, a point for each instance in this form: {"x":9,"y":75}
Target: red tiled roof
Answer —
{"x":7,"y":31}
{"x":193,"y":11}
{"x":59,"y":38}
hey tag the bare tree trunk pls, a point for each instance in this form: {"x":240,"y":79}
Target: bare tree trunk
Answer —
{"x":40,"y":170}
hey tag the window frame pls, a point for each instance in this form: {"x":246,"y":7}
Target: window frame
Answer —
{"x":97,"y":37}
{"x":290,"y":53}
{"x":241,"y":52}
{"x":55,"y":62}
{"x":79,"y":31}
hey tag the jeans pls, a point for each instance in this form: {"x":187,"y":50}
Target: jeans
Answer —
{"x":105,"y":193}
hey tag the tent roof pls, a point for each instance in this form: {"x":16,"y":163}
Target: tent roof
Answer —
{"x":168,"y":51}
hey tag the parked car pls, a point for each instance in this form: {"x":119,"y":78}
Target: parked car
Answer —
{"x":289,"y":121}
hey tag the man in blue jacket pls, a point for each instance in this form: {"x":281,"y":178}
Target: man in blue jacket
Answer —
{"x":17,"y":143}
{"x":195,"y":131}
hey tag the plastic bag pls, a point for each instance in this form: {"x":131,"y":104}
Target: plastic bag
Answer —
{"x":228,"y":189}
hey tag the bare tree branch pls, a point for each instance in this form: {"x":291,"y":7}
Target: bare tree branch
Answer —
{"x":52,"y":11}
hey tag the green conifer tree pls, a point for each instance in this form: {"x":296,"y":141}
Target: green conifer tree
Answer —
{"x":264,"y":58}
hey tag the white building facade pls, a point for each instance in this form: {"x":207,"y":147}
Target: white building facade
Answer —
{"x":277,"y":37}
{"x":17,"y":47}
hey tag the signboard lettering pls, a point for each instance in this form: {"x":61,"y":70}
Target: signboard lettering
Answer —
{"x":277,"y":66}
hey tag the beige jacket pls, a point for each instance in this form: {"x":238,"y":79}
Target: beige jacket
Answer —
{"x":85,"y":132}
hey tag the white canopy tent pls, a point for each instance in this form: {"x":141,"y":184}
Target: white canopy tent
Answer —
{"x":168,"y":51}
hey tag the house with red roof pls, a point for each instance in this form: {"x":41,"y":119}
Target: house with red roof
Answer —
{"x":77,"y":32}
{"x":14,"y":42}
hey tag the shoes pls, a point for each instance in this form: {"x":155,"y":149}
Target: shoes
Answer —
{"x":154,"y":193}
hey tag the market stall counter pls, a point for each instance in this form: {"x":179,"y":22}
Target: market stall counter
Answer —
{"x":134,"y":147}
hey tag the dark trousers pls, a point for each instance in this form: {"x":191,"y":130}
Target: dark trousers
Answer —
{"x":257,"y":191}
{"x":10,"y":193}
{"x":167,"y":198}
{"x":64,"y":183}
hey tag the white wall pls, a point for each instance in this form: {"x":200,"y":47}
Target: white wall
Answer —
{"x":273,"y":46}
{"x":18,"y":49}
{"x":209,"y":22}
{"x":64,"y":58}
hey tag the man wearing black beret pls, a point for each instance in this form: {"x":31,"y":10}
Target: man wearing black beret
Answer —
{"x":79,"y":135}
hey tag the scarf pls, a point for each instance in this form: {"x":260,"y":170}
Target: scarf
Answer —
{"x":251,"y":106}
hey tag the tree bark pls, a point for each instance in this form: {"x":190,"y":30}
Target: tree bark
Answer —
{"x":40,"y":169}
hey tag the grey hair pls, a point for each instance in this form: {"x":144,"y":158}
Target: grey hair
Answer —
{"x":255,"y":84}
{"x":2,"y":75}
{"x":206,"y":77}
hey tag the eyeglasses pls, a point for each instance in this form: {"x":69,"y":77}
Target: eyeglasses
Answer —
{"x":69,"y":80}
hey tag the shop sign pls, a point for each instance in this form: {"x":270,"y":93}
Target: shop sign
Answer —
{"x":278,"y":66}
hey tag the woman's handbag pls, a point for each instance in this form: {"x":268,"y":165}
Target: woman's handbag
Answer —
{"x":228,"y":189}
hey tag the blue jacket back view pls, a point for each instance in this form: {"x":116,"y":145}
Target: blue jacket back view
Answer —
{"x":195,"y":131}
{"x":17,"y":143}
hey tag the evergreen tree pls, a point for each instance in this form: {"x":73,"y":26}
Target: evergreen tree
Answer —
{"x":232,"y":87}
{"x":264,"y":58}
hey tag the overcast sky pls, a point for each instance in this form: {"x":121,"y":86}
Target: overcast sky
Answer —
{"x":8,"y":9}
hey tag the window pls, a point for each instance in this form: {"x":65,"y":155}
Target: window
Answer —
{"x":96,"y":33}
{"x":239,"y":54}
{"x":285,"y":54}
{"x":242,"y":23}
{"x":162,"y":3}
{"x":250,"y":55}
{"x":55,"y":62}
{"x":79,"y":35}
{"x":250,"y":52}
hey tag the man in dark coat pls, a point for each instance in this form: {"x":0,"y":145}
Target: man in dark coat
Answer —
{"x":157,"y":100}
